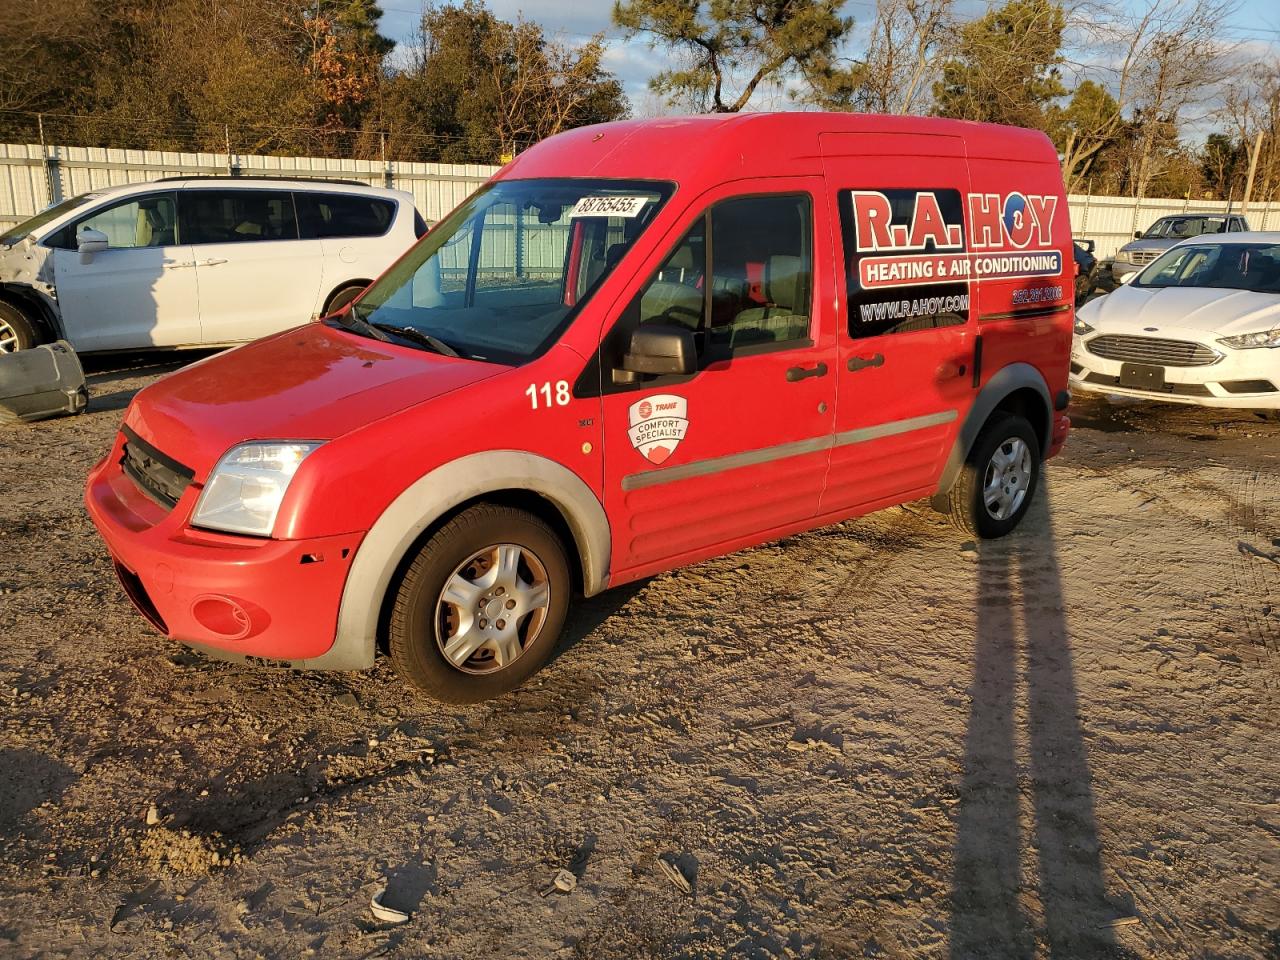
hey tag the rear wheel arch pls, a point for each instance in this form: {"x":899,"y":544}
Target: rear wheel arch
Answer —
{"x":507,"y":477}
{"x":1018,"y":388}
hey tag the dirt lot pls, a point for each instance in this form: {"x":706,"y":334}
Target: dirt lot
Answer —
{"x":870,"y":740}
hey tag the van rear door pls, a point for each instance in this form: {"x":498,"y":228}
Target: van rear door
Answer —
{"x":905,"y":344}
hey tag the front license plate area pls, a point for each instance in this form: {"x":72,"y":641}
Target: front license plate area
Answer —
{"x":1142,"y":376}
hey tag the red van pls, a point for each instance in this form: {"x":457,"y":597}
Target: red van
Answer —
{"x":638,"y":346}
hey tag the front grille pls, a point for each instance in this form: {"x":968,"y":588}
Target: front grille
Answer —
{"x":1164,"y":353}
{"x":161,"y":478}
{"x":1141,"y":258}
{"x":1177,"y":389}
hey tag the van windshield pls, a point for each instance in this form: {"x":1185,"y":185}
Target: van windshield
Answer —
{"x":503,"y":275}
{"x":47,"y":215}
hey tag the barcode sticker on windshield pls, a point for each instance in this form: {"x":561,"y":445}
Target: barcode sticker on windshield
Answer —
{"x":608,"y":206}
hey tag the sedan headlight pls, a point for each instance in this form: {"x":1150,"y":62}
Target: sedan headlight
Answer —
{"x":1251,"y":341}
{"x":247,"y":486}
{"x":1082,"y":328}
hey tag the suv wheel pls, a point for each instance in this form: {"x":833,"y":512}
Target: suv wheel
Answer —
{"x":17,"y":332}
{"x":998,"y":480}
{"x":343,"y":297}
{"x":482,"y":605}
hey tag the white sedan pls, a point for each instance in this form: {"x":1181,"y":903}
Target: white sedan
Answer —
{"x":1200,"y":325}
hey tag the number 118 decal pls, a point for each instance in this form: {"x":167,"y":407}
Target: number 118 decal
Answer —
{"x":552,"y":394}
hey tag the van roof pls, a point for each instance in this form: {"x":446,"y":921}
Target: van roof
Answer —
{"x":718,"y":147}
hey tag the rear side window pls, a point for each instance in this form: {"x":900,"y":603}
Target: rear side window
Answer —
{"x":237,"y":216}
{"x":749,"y":289}
{"x":324,"y":215}
{"x":906,"y":265}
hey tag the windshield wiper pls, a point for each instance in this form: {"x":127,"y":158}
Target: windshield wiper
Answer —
{"x":416,"y":336}
{"x":353,"y":321}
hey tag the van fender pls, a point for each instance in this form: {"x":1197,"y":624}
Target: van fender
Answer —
{"x":432,"y":496}
{"x":1016,"y":376}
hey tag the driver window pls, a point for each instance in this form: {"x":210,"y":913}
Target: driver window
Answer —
{"x":749,"y":287}
{"x":141,"y":222}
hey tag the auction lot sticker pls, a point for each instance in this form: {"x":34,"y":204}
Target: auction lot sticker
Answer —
{"x":609,"y":206}
{"x":657,"y":425}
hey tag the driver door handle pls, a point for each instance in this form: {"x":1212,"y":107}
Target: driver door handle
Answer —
{"x":861,"y":363}
{"x":795,"y":374}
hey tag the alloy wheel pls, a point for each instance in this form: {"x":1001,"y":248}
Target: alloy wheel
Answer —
{"x":8,"y":337}
{"x":492,"y":608}
{"x":1008,"y":475}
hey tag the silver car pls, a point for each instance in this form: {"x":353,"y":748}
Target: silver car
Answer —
{"x":1147,"y":245}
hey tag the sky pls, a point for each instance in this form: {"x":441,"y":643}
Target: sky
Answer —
{"x":1255,"y":26}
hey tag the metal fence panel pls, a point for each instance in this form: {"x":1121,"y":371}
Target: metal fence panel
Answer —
{"x":33,"y":175}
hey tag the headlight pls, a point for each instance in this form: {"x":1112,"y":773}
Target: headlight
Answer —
{"x":245,"y":489}
{"x":1250,"y":341}
{"x":1082,"y":328}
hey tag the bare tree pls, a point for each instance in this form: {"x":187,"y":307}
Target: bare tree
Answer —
{"x":900,"y":63}
{"x":1167,"y":56}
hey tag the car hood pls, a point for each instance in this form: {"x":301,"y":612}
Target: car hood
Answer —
{"x":311,"y":383}
{"x":1130,"y":309}
{"x":1134,"y":245}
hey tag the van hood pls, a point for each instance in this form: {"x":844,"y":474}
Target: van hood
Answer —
{"x":1208,"y":310}
{"x":310,"y":383}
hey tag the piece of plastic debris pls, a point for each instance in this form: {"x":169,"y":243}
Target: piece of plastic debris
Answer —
{"x":565,"y":881}
{"x":386,"y":914}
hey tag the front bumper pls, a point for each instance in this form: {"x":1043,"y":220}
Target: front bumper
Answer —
{"x":239,"y":596}
{"x":1242,"y":379}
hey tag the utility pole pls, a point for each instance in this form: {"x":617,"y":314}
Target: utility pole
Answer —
{"x":1253,"y":168}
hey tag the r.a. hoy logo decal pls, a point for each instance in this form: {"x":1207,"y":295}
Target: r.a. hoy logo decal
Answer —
{"x":657,"y":424}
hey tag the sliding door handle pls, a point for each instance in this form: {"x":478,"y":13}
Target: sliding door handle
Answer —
{"x":212,"y":261}
{"x":800,"y":373}
{"x":861,"y":363}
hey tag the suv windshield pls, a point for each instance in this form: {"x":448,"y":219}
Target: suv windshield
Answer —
{"x":1179,"y":228}
{"x":1231,"y":266}
{"x":48,"y":214}
{"x":503,"y":275}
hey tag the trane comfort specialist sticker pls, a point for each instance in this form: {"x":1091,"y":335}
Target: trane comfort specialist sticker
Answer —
{"x":608,"y":206}
{"x":657,"y":424}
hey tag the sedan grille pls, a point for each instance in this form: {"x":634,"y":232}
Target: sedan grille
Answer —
{"x":162,"y":479}
{"x":1164,"y":353}
{"x":1141,"y":258}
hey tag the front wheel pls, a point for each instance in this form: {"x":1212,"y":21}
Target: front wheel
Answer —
{"x":999,"y":478}
{"x":17,"y":332}
{"x":481,"y":606}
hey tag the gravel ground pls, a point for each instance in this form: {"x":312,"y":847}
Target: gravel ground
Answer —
{"x":868,"y":740}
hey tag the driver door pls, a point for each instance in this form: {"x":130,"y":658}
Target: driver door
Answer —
{"x":139,"y":292}
{"x":703,"y":464}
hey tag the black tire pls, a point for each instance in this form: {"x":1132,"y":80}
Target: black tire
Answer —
{"x":967,"y":502}
{"x":17,"y":330}
{"x":342,"y":297}
{"x":419,"y":621}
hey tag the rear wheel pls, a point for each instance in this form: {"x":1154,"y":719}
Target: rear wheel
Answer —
{"x":17,"y":331}
{"x":482,"y":605}
{"x":998,"y":480}
{"x":342,"y":298}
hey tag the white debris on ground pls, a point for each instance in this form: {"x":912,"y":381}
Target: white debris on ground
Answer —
{"x":873,"y":739}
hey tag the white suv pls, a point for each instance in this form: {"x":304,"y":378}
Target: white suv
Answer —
{"x":195,"y":262}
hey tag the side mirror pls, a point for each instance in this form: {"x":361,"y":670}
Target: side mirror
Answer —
{"x":662,"y":350}
{"x":1137,"y":234}
{"x":90,"y":243}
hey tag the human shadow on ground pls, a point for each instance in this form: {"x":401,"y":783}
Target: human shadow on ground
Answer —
{"x":1022,"y":655}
